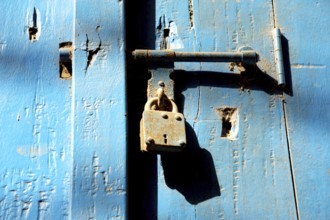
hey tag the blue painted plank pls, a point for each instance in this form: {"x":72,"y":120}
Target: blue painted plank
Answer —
{"x":252,"y":169}
{"x":35,"y":136}
{"x":99,"y":177}
{"x":305,"y":25}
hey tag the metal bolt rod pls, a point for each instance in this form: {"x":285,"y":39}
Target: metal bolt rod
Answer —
{"x":247,"y":57}
{"x":278,"y":53}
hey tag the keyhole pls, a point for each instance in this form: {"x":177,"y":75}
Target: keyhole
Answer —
{"x":165,"y":138}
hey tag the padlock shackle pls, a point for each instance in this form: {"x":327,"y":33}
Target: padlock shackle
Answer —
{"x":153,"y":101}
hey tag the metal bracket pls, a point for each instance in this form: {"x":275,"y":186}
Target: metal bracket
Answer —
{"x":161,"y":78}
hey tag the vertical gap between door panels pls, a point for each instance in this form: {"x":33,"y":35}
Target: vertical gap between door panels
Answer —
{"x":287,"y":131}
{"x":142,"y":172}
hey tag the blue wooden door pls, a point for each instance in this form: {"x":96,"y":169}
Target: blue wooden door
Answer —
{"x":36,"y":158}
{"x":245,"y":174}
{"x":254,"y":150}
{"x":271,"y":160}
{"x":62,"y":138}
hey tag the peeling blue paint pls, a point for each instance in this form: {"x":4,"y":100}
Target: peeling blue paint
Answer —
{"x":63,"y":142}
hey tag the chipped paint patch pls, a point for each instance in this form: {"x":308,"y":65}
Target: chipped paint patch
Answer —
{"x":35,"y":26}
{"x":174,"y":41}
{"x":25,"y":194}
{"x":91,"y":53}
{"x":167,"y":35}
{"x":230,"y":121}
{"x":3,"y":45}
{"x":236,"y":178}
{"x":91,"y":118}
{"x":65,"y":49}
{"x":95,"y":50}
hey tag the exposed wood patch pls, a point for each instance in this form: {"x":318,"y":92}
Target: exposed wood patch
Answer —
{"x":65,"y":62}
{"x":229,"y":117}
{"x":35,"y":27}
{"x":167,"y":34}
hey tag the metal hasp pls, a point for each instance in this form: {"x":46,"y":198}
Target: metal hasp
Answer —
{"x":245,"y":57}
{"x":278,"y":54}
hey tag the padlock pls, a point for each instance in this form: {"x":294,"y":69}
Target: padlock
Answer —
{"x":162,"y":131}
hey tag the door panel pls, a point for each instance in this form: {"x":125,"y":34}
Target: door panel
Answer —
{"x":306,"y":27}
{"x":245,"y":175}
{"x":99,"y":187}
{"x":35,"y":136}
{"x":252,"y":167}
{"x":63,"y":141}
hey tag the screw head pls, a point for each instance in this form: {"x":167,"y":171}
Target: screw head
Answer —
{"x":164,"y":115}
{"x":178,"y":117}
{"x":150,"y":140}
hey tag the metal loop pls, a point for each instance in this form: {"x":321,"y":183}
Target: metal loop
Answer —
{"x":154,"y":101}
{"x":160,"y":96}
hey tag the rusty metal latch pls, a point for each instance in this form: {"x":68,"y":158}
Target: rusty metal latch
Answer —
{"x":243,"y":55}
{"x":162,"y":127}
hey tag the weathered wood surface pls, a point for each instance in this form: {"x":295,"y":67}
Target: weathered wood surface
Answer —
{"x":63,"y":142}
{"x":250,"y":169}
{"x":306,"y":28}
{"x":99,"y":183}
{"x":35,"y":134}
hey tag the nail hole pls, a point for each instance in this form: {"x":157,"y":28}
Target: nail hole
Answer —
{"x":33,"y":33}
{"x":178,"y":118}
{"x":166,"y":32}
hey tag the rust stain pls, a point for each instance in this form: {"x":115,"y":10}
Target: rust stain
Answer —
{"x":237,"y":67}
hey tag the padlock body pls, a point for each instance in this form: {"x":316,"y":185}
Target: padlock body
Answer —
{"x":162,"y":131}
